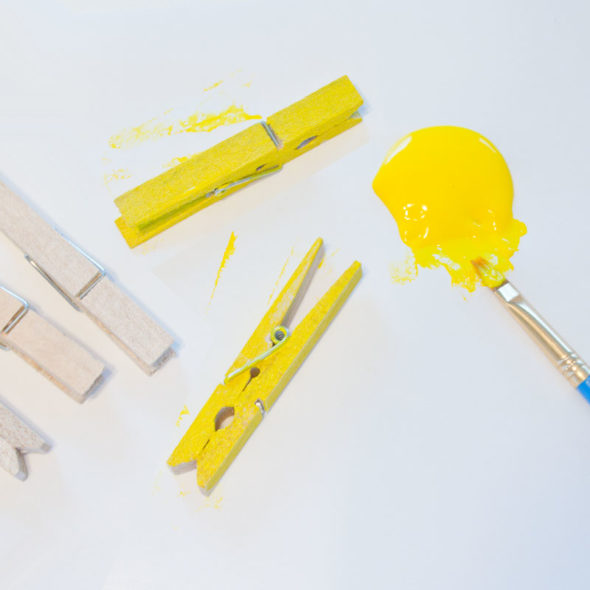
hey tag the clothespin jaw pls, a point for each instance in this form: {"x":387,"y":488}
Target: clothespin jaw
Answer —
{"x":320,"y":116}
{"x":212,"y":175}
{"x":16,"y":439}
{"x":236,"y":407}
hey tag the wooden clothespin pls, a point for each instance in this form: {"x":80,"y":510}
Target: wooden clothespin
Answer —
{"x":84,"y":283}
{"x":16,"y":439}
{"x":44,"y":346}
{"x":212,"y":175}
{"x":259,"y":374}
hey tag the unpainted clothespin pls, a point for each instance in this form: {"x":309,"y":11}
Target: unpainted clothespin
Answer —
{"x":16,"y":439}
{"x":259,"y":374}
{"x":44,"y":346}
{"x":259,"y":150}
{"x":84,"y":283}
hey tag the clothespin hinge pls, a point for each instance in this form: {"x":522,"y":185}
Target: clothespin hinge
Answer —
{"x":101,"y":273}
{"x":16,"y":318}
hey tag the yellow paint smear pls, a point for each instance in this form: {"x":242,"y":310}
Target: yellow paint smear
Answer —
{"x":405,"y":271}
{"x":178,"y":160}
{"x":450,"y":192}
{"x":197,"y":122}
{"x":184,"y":412}
{"x":281,"y":274}
{"x":214,"y":503}
{"x":213,"y":86}
{"x":229,"y":251}
{"x":119,"y":174}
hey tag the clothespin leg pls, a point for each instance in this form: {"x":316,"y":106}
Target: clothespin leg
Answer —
{"x":16,"y":439}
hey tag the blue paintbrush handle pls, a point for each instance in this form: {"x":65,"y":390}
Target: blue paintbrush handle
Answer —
{"x":584,"y":388}
{"x":572,"y":367}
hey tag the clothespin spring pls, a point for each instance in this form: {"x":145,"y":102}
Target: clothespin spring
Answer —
{"x":278,"y":337}
{"x":101,"y":272}
{"x":16,"y":319}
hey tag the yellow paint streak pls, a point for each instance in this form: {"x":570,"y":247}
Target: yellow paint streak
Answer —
{"x":213,"y":86}
{"x":229,"y":251}
{"x":184,"y":412}
{"x":405,"y":271}
{"x":197,"y":122}
{"x":327,"y":258}
{"x":281,"y":274}
{"x":178,"y":160}
{"x":450,"y":192}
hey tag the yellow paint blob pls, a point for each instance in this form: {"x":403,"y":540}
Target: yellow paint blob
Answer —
{"x":197,"y":122}
{"x":450,"y":192}
{"x":229,"y":251}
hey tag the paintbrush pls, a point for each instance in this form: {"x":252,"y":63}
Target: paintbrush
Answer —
{"x":573,"y":368}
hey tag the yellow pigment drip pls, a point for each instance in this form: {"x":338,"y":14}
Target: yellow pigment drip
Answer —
{"x":450,"y":192}
{"x":229,"y":252}
{"x":153,"y":129}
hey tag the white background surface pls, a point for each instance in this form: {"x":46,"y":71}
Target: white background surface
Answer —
{"x":425,"y":443}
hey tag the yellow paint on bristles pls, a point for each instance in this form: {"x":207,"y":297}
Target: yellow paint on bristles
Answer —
{"x":228,"y":253}
{"x":489,"y":275}
{"x":450,"y":192}
{"x":197,"y":122}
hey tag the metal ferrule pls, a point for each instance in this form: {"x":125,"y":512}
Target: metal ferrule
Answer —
{"x":574,"y":369}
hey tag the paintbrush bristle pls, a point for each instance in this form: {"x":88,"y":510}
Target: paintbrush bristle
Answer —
{"x":490,"y":277}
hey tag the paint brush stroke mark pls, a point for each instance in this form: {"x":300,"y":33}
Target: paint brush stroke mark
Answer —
{"x":195,"y":123}
{"x":326,"y":259}
{"x":119,"y":174}
{"x":281,"y":274}
{"x":229,"y":251}
{"x":178,"y":160}
{"x":404,"y":272}
{"x":184,"y":412}
{"x":218,"y":83}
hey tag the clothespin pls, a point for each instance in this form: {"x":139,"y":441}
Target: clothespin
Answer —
{"x":84,"y":283}
{"x":259,"y":374}
{"x":16,"y":439}
{"x":262,"y":149}
{"x":62,"y":360}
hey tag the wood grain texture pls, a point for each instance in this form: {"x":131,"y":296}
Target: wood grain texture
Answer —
{"x":148,"y":344}
{"x":69,"y":268}
{"x":57,"y":356}
{"x":132,"y":328}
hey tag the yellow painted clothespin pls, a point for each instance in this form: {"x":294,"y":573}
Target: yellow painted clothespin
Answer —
{"x":261,"y":149}
{"x":259,"y":374}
